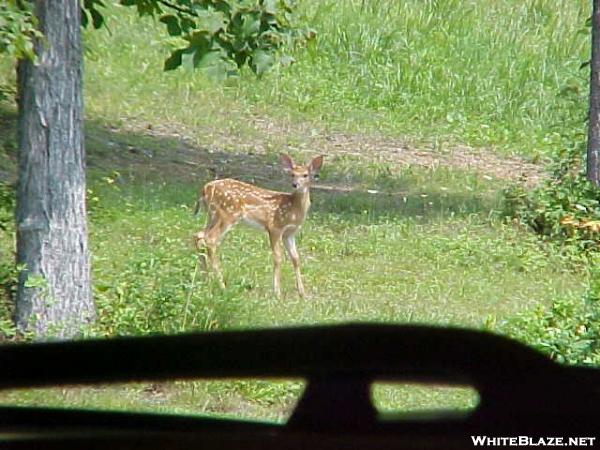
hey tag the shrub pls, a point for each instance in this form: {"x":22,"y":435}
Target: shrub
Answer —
{"x":565,"y":208}
{"x":568,"y":331}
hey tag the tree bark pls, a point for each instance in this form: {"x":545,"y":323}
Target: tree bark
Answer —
{"x":593,"y":144}
{"x":54,"y":295}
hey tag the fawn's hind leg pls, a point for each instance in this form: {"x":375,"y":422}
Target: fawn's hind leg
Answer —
{"x":201,"y":243}
{"x":211,"y":238}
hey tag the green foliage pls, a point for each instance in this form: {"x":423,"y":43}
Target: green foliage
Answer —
{"x":8,"y":285}
{"x":157,"y":290}
{"x":90,"y":11}
{"x":149,"y":283}
{"x":565,"y":208}
{"x":140,"y":300}
{"x":221,"y":36}
{"x":8,"y":271}
{"x":18,"y":32}
{"x":17,"y":29}
{"x":568,"y":331}
{"x":7,"y":205}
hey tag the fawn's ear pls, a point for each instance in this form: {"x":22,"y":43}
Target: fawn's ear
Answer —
{"x":315,"y":165}
{"x":286,"y":162}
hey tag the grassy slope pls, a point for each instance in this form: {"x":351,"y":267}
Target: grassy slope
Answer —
{"x":503,"y":74}
{"x":425,"y":248}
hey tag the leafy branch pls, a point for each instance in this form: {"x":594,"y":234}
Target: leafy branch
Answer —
{"x":179,"y":9}
{"x":224,"y":35}
{"x":221,"y":36}
{"x":17,"y":29}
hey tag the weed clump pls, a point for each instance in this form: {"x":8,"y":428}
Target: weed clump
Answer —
{"x":565,"y":209}
{"x":568,"y":331}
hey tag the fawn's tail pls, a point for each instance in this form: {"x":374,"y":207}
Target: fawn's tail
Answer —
{"x":199,"y":201}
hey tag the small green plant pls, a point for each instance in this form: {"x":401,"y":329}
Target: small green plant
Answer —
{"x":568,"y":331}
{"x":565,"y":208}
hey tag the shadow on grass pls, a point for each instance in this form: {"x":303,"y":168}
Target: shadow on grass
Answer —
{"x":163,"y":170}
{"x":421,"y":205}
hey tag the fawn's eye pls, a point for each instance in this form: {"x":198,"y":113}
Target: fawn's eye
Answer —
{"x":305,"y":175}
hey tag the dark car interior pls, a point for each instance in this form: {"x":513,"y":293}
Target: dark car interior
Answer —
{"x":335,"y":411}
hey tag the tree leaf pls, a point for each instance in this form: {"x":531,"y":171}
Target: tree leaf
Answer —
{"x":199,"y":39}
{"x":217,"y":68}
{"x":84,"y":18}
{"x":97,"y":18}
{"x":270,"y":6}
{"x":186,"y":24}
{"x":89,"y":8}
{"x":187,"y":60}
{"x":212,"y":21}
{"x":35,"y":281}
{"x":173,"y":61}
{"x":250,"y":25}
{"x":240,"y":32}
{"x":261,"y":61}
{"x":172,"y":23}
{"x":203,"y":60}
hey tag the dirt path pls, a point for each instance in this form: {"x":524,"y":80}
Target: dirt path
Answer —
{"x":185,"y":152}
{"x":267,"y":137}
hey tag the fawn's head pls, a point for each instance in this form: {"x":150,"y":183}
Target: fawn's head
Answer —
{"x":301,"y":175}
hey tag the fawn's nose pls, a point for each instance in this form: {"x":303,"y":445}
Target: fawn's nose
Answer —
{"x":295,"y":185}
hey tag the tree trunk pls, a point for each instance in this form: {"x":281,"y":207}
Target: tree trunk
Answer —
{"x":593,"y":144}
{"x":54,"y":295}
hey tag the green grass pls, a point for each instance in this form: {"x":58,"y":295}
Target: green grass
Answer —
{"x":265,"y":400}
{"x":428,"y":255}
{"x":384,"y":243}
{"x":425,"y":256}
{"x":503,"y":75}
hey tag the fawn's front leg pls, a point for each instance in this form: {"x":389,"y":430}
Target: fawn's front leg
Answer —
{"x":290,"y":245}
{"x":275,"y":239}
